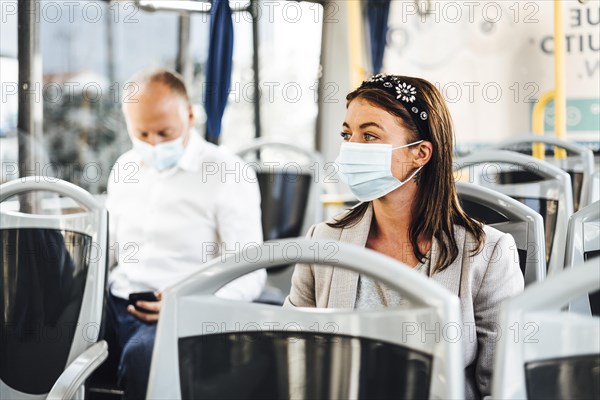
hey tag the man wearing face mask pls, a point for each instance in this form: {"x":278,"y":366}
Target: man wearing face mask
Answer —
{"x":175,"y":201}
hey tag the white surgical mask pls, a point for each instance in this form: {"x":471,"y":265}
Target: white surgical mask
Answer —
{"x":367,"y":169}
{"x":162,"y":156}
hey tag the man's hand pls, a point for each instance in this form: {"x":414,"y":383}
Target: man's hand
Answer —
{"x":153,"y":308}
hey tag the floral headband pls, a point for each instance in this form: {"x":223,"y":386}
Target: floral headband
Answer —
{"x":406,"y":94}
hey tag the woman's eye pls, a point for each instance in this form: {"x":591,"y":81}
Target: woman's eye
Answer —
{"x":163,"y":134}
{"x":345,"y":136}
{"x":369,"y":137}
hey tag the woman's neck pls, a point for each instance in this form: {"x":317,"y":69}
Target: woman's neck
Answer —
{"x":393,"y":213}
{"x":390,"y":229}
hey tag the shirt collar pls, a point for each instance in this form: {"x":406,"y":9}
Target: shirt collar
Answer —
{"x":196,"y":145}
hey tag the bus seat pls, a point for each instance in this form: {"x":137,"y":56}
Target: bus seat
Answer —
{"x":53,"y":254}
{"x":509,"y":216}
{"x":546,"y":353}
{"x":579,"y":163}
{"x":290,"y":198}
{"x":595,"y":185}
{"x":583,"y":244}
{"x":214,"y":348}
{"x":549,"y":194}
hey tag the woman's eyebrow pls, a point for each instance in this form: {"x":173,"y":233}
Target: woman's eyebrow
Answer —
{"x":365,"y":125}
{"x":371,"y":124}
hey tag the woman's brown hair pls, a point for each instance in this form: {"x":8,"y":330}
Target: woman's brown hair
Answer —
{"x":437,"y":207}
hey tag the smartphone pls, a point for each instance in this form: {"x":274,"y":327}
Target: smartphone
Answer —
{"x":143,"y":296}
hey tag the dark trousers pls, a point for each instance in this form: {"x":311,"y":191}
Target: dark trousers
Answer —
{"x":131,"y":340}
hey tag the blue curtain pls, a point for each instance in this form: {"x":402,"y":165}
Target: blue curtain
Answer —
{"x":378,"y":12}
{"x":218,"y":69}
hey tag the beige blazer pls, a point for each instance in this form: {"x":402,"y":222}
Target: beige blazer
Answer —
{"x":481,"y":282}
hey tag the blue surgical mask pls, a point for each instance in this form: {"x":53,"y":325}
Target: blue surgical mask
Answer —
{"x":162,"y":156}
{"x":367,"y":169}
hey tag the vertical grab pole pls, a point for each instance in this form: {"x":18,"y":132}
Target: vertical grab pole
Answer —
{"x":537,"y":116}
{"x":182,"y":64}
{"x":29,"y":120}
{"x":254,"y":9}
{"x":356,"y":39}
{"x":560,"y":100}
{"x":29,"y":117}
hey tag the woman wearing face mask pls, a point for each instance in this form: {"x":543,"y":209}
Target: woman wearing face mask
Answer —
{"x":397,"y":159}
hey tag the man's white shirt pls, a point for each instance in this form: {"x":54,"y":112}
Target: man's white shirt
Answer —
{"x":164,"y":225}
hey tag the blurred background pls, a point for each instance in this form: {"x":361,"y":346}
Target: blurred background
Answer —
{"x":492,"y":61}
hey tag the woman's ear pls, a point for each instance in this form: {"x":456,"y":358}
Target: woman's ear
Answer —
{"x":423,"y":152}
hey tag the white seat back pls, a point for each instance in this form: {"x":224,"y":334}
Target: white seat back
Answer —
{"x":292,"y":172}
{"x":583,"y":244}
{"x":290,"y":179}
{"x":53,"y":254}
{"x":544,"y":351}
{"x":306,"y":353}
{"x":579,"y":163}
{"x":550,"y":194}
{"x":509,"y":216}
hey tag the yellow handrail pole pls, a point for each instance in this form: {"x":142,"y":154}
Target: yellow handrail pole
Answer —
{"x":560,"y":98}
{"x":537,"y":123}
{"x":356,"y":42}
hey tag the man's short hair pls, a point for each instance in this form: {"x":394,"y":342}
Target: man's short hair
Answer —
{"x":170,"y":78}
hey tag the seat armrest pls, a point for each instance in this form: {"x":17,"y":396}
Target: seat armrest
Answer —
{"x":78,"y":371}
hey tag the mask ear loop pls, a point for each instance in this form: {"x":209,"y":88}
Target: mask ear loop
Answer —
{"x":418,"y":169}
{"x":408,"y":145}
{"x":411,"y":176}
